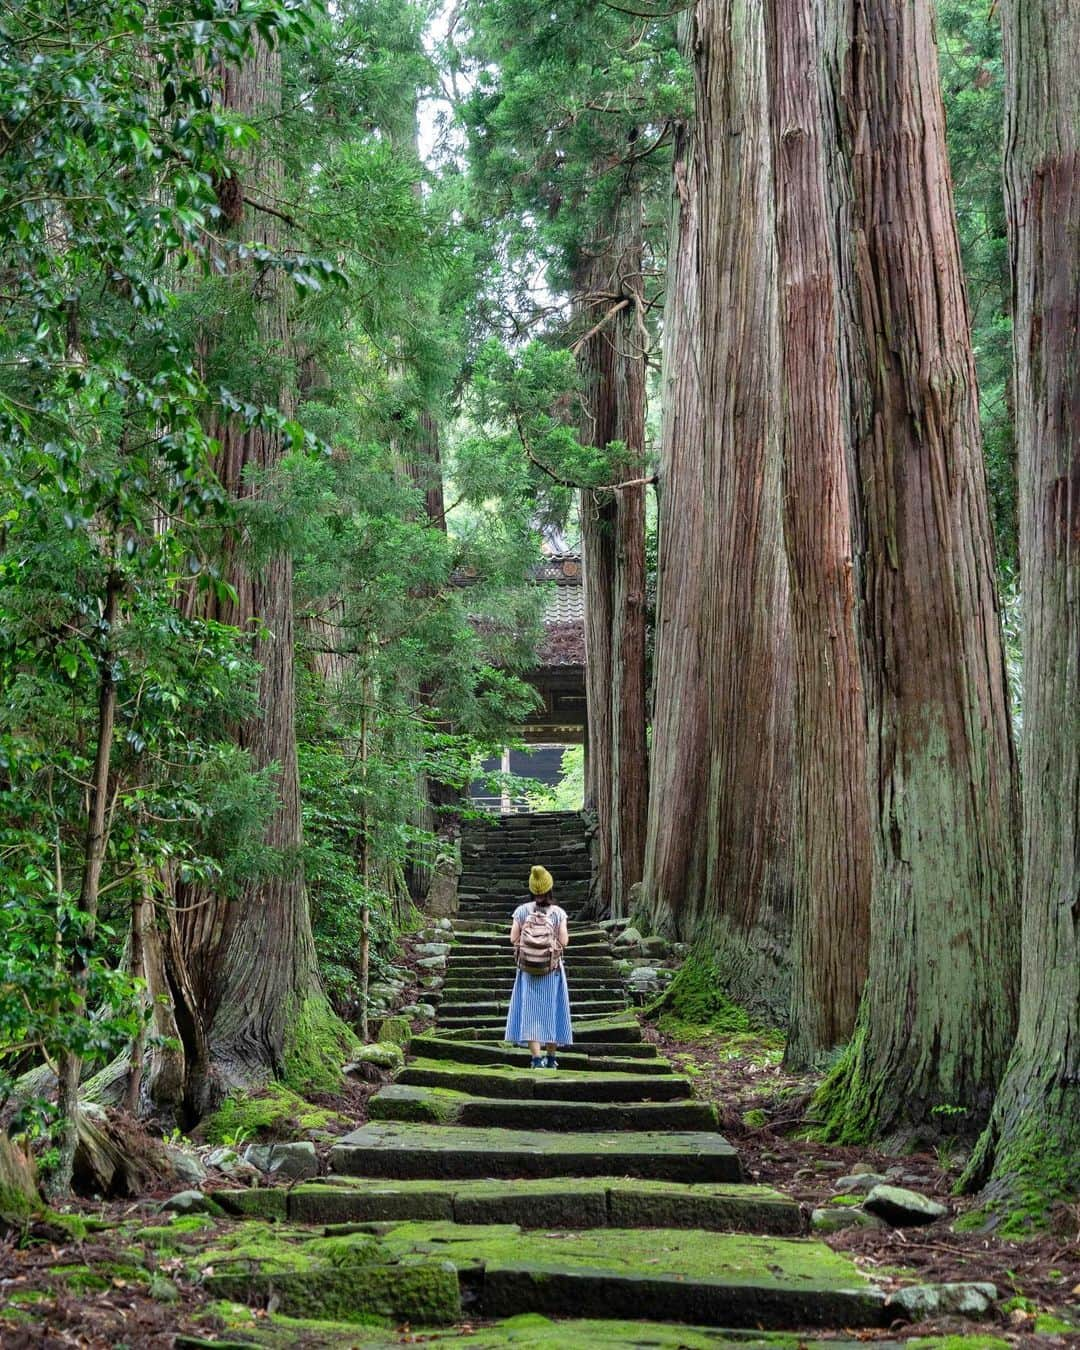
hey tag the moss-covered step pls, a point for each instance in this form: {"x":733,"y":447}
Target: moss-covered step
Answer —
{"x":482,"y":1003}
{"x":564,"y":1086}
{"x":403,"y":1151}
{"x":641,"y":1058}
{"x":664,"y":1274}
{"x":619,"y":1032}
{"x":438,"y":1105}
{"x":533,"y":1331}
{"x":574,"y":1203}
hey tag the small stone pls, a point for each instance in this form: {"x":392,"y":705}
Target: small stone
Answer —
{"x":432,"y":963}
{"x":643,"y":974}
{"x":382,"y":1055}
{"x":186,"y":1165}
{"x":656,"y":947}
{"x":295,"y":1162}
{"x":903,"y":1208}
{"x":835,"y":1218}
{"x":432,"y":949}
{"x":680,"y":950}
{"x":612,"y":925}
{"x":920,"y":1301}
{"x":444,"y":926}
{"x":629,"y":937}
{"x":417,"y":1012}
{"x":863,"y":1170}
{"x":191,"y":1202}
{"x":858,"y":1183}
{"x":227,"y":1160}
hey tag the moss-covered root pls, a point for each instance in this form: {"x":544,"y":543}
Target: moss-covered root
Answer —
{"x":317,"y":1044}
{"x":273,"y":1112}
{"x":1025,"y":1161}
{"x":19,"y":1199}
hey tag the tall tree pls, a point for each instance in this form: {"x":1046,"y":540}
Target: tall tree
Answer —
{"x":1034,"y":1135}
{"x":939,"y":1011}
{"x":251,"y":959}
{"x":611,"y":354}
{"x":739,"y":617}
{"x":675,"y":843}
{"x":581,"y":211}
{"x":831,"y":826}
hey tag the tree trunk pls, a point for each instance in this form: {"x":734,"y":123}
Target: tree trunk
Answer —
{"x":1034,"y":1136}
{"x":831,"y":841}
{"x":612,"y":366}
{"x":744,"y":908}
{"x":675,"y":846}
{"x":251,"y":958}
{"x":939,"y":1011}
{"x":80,"y":938}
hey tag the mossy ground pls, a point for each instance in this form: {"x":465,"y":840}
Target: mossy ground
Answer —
{"x":273,"y":1112}
{"x":693,"y":1007}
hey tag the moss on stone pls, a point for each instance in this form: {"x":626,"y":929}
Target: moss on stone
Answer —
{"x":184,"y":1230}
{"x":273,"y":1112}
{"x":653,"y":1251}
{"x":431,"y":1105}
{"x":317,"y":1044}
{"x":395,"y":1029}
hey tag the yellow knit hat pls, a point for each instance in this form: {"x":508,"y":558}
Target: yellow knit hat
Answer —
{"x":540,"y":881}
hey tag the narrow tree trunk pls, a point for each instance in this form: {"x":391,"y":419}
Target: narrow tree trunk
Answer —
{"x":745,"y":906}
{"x":612,"y":365}
{"x":939,"y":1011}
{"x":1034,"y":1136}
{"x":251,"y":958}
{"x":675,"y":847}
{"x":831,"y":839}
{"x":81,"y":939}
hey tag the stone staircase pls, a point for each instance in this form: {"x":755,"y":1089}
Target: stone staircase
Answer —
{"x":602,"y":1192}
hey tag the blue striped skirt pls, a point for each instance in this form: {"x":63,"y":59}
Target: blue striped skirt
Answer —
{"x":540,"y":1009}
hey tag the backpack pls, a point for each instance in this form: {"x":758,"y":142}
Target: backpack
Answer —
{"x":539,"y":950}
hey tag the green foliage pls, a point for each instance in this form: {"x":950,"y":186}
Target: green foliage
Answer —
{"x":972,"y":79}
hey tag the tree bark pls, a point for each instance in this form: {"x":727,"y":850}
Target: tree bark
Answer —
{"x":745,"y":906}
{"x":675,"y":844}
{"x":831,"y":838}
{"x":939,"y":1011}
{"x":251,"y":959}
{"x":612,"y":366}
{"x":1033,"y":1140}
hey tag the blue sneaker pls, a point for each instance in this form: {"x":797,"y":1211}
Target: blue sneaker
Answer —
{"x":537,"y":1062}
{"x":549,"y":1062}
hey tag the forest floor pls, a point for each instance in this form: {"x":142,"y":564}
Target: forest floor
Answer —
{"x":762,"y":1111}
{"x":114,"y":1286}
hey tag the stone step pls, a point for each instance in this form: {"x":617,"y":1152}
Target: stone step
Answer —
{"x":641,"y":1058}
{"x":402,"y":1151}
{"x":500,"y":948}
{"x":499,"y":987}
{"x":488,"y":1008}
{"x":443,"y":1106}
{"x":676,"y":1275}
{"x":577,"y":1204}
{"x":608,"y":1031}
{"x":574,"y":961}
{"x":565,"y":1085}
{"x":496,"y":939}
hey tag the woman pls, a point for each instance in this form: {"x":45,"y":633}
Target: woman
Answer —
{"x":540,"y":1004}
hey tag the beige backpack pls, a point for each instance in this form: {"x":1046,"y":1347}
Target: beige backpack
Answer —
{"x":539,"y":950}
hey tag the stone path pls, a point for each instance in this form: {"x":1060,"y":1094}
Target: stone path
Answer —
{"x":600,"y":1192}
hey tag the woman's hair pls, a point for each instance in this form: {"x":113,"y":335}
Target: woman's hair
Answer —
{"x":543,"y":901}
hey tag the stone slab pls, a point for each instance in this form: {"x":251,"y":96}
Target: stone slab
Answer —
{"x":405,"y":1151}
{"x":439,"y":1105}
{"x":565,"y":1086}
{"x":567,"y":1203}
